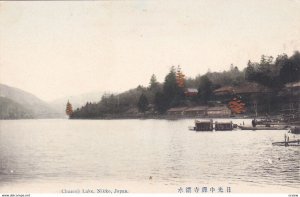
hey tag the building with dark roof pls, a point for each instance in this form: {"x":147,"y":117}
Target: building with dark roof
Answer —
{"x":196,"y":111}
{"x":246,"y":88}
{"x":190,"y":92}
{"x":220,"y":111}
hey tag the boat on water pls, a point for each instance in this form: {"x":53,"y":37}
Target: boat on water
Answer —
{"x":287,"y":143}
{"x":292,"y":119}
{"x":295,"y":130}
{"x":263,"y":127}
{"x":210,"y":126}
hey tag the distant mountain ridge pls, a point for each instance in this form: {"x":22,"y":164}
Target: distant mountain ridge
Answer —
{"x":28,"y":102}
{"x":10,"y":109}
{"x":77,"y":101}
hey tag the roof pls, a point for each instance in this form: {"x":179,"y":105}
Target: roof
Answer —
{"x":197,"y":108}
{"x":293,"y":85}
{"x":224,"y":90}
{"x":249,"y":87}
{"x":219,"y":108}
{"x":177,"y":109}
{"x":192,"y":90}
{"x":290,"y":89}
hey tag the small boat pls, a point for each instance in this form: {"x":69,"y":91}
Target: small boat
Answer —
{"x":263,"y":128}
{"x":271,"y":123}
{"x":287,"y":143}
{"x":295,"y":130}
{"x":192,"y":128}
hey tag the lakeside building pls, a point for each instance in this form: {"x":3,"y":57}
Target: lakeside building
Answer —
{"x":290,"y":93}
{"x":253,"y":94}
{"x":225,"y":90}
{"x":196,"y":111}
{"x":220,"y":111}
{"x":191,"y":92}
{"x":246,"y":88}
{"x":176,"y":111}
{"x":200,"y":111}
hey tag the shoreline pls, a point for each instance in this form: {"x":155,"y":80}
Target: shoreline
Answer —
{"x":157,"y":117}
{"x":171,"y":117}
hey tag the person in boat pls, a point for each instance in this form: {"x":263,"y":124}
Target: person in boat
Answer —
{"x":268,"y":119}
{"x":285,"y":140}
{"x":254,"y":122}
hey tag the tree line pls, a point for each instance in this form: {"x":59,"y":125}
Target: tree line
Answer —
{"x":158,"y":97}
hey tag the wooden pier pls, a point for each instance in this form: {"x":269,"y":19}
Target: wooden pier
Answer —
{"x":263,"y":128}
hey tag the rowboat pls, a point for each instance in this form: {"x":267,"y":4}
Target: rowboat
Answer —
{"x":263,"y":128}
{"x":287,"y":143}
{"x":295,"y":130}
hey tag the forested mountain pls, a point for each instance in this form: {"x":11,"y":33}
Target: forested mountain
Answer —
{"x":157,"y":98}
{"x":12,"y":110}
{"x":25,"y":101}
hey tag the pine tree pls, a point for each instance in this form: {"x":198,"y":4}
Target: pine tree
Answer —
{"x":69,"y":109}
{"x":161,"y":102}
{"x":173,"y":94}
{"x":170,"y":87}
{"x":204,"y":89}
{"x":180,"y":78}
{"x":153,"y":83}
{"x":143,"y":103}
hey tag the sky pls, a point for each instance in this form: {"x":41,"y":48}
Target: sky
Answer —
{"x":61,"y":48}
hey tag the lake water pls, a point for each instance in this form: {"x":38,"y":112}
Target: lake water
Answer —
{"x":50,"y":155}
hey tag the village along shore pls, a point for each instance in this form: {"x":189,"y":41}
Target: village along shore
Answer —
{"x":269,"y":88}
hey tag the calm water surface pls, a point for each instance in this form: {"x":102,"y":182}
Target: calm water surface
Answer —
{"x":133,"y":150}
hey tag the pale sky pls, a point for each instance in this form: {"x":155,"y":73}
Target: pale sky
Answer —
{"x":56,"y":49}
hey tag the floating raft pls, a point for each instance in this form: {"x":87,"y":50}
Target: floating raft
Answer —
{"x":289,"y":143}
{"x":210,"y":126}
{"x":263,"y":128}
{"x":203,"y":125}
{"x":223,"y":126}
